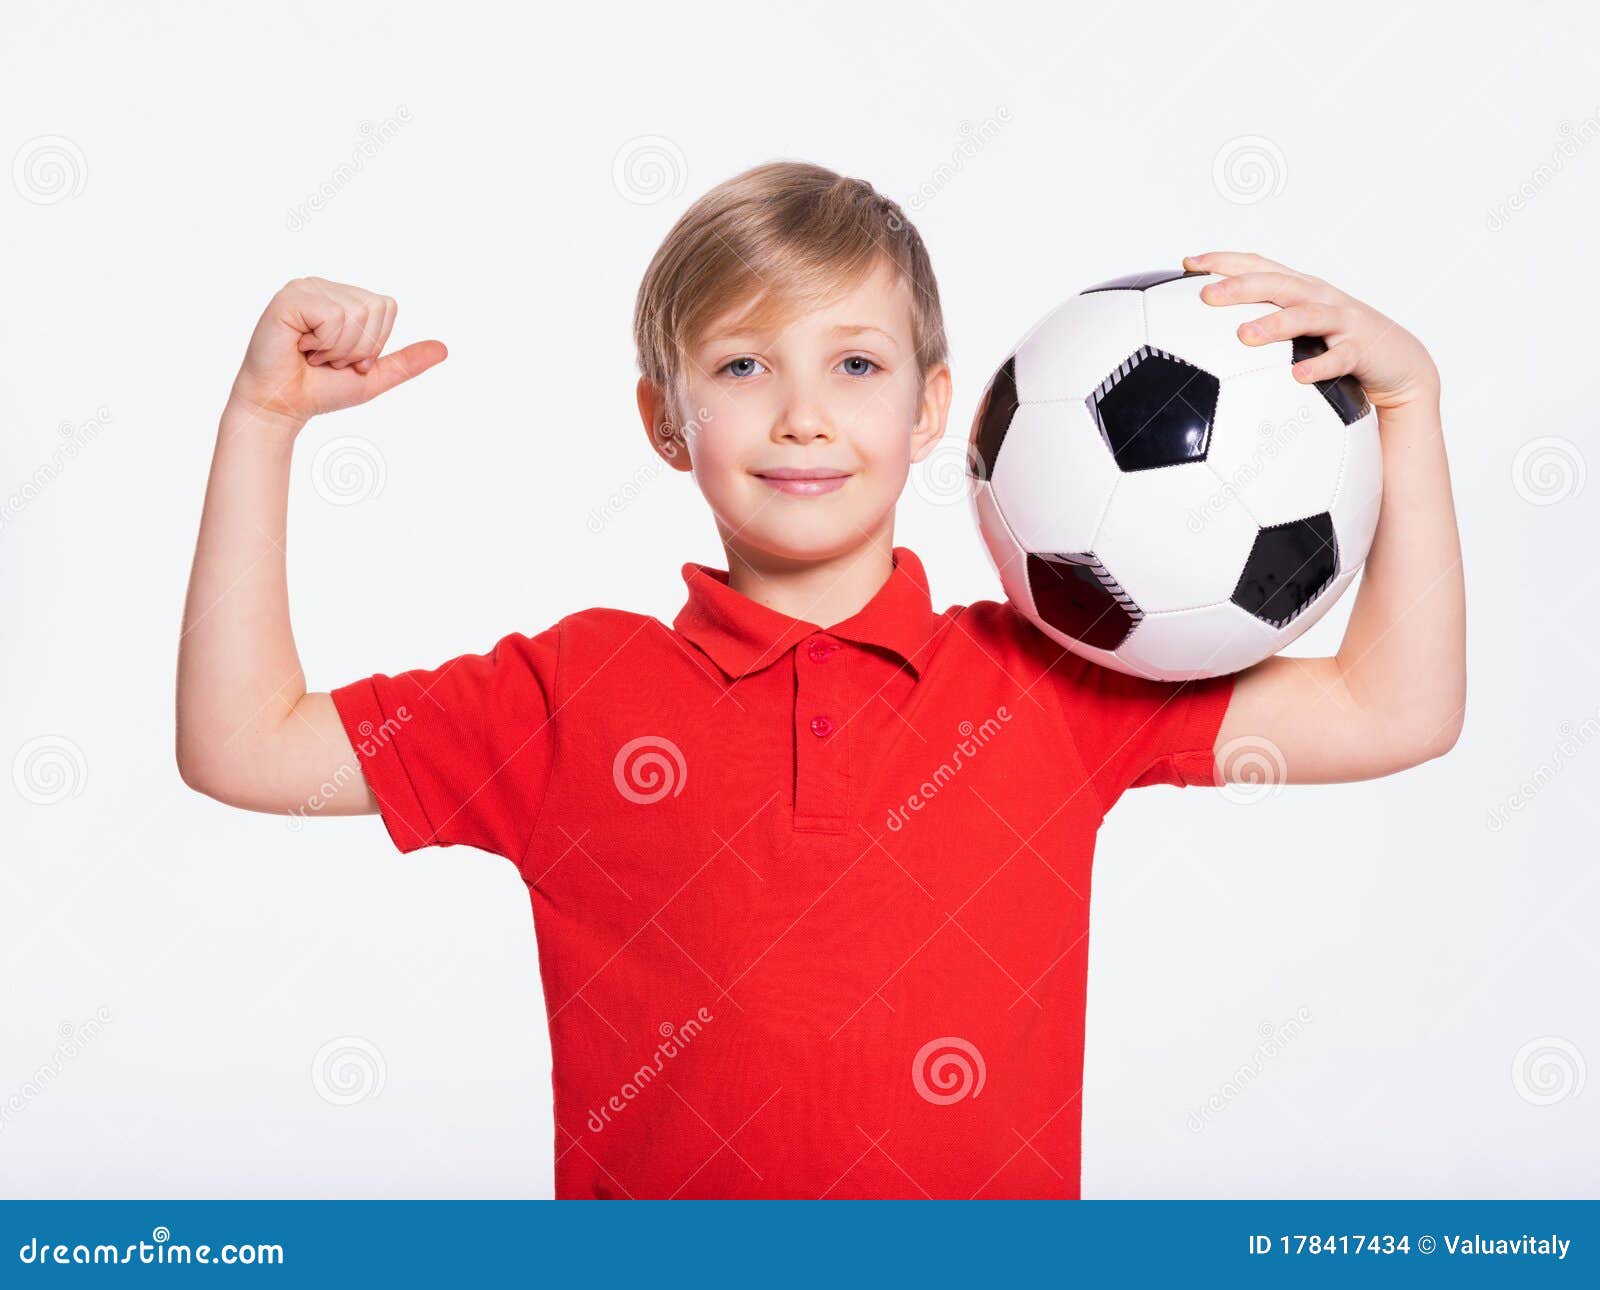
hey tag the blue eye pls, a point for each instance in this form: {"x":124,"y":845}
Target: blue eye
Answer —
{"x":729,"y":366}
{"x":857,"y":358}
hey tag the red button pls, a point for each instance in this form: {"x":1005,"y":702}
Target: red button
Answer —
{"x":821,"y":726}
{"x":819,"y":651}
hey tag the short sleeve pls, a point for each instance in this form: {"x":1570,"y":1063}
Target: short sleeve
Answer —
{"x":1131,"y":732}
{"x":460,"y":754}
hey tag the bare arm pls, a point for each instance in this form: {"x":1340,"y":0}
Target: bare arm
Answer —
{"x":248,"y":733}
{"x":1395,"y":693}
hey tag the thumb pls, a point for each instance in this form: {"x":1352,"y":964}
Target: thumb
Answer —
{"x":393,"y":369}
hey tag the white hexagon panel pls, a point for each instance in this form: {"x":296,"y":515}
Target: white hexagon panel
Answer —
{"x":1174,"y":538}
{"x":1057,"y":477}
{"x":1277,"y":445}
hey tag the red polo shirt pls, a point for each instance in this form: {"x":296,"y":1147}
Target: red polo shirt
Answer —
{"x":812,"y":904}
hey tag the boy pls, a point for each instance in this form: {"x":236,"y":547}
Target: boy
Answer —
{"x":810,"y":866}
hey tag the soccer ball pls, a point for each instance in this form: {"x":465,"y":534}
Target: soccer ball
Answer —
{"x":1162,"y":498}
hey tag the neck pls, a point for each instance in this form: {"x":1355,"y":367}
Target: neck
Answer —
{"x":824,"y":592}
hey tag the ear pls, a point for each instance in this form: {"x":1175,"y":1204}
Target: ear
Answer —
{"x":666,"y":438}
{"x":934,"y":412}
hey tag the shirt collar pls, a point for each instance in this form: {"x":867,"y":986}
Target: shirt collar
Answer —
{"x":742,"y":636}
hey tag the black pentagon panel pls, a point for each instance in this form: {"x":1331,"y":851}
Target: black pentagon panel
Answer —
{"x":1155,"y":410}
{"x":1344,"y":393}
{"x":1077,"y":595}
{"x":1289,"y":566}
{"x":1143,"y":281}
{"x":993,"y":419}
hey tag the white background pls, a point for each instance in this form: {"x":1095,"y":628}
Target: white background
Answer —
{"x":1426,"y":947}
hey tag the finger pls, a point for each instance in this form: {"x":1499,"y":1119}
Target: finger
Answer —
{"x":1286,"y":324}
{"x":1336,"y":361}
{"x":320,"y":338}
{"x":393,"y":369}
{"x":379,"y":326}
{"x":1281,"y":289}
{"x":389,"y":311}
{"x":364,"y":338}
{"x":353,"y":341}
{"x":1233,"y":262}
{"x":375,"y":326}
{"x":321,"y":343}
{"x":316,"y":311}
{"x":390,"y":308}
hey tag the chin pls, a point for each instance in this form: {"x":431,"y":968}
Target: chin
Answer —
{"x":823,"y":539}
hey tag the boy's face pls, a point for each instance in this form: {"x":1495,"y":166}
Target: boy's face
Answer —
{"x":835,"y":391}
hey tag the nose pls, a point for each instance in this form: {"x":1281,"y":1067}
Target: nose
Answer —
{"x":804,"y":418}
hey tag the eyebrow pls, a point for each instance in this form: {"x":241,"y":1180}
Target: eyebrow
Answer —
{"x":851,"y":329}
{"x":839,"y":329}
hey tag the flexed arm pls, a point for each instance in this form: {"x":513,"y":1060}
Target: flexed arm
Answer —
{"x":248,"y":734}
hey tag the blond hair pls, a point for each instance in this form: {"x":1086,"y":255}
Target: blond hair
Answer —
{"x":784,"y":237}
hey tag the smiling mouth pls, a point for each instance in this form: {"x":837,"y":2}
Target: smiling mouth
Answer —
{"x":804,"y":482}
